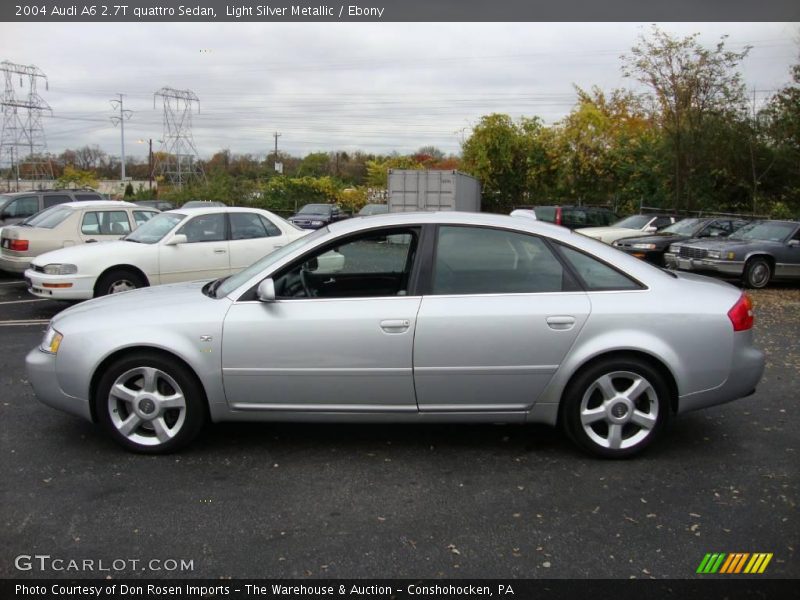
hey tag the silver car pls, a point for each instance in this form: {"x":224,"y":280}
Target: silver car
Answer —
{"x":435,"y":317}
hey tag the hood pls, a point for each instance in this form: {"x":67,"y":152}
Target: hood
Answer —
{"x":91,"y":251}
{"x":598,"y":231}
{"x":305,"y":216}
{"x":145,"y":303}
{"x":724,"y":244}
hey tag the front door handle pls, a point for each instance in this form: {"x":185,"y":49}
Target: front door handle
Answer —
{"x":395,"y":325}
{"x":561,"y":322}
{"x":219,"y":251}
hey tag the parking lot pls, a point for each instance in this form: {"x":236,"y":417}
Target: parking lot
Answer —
{"x":278,"y":500}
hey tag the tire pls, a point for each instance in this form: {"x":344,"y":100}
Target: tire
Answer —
{"x":605,"y":415}
{"x":757,"y":273}
{"x":118,"y":280}
{"x":150,"y":403}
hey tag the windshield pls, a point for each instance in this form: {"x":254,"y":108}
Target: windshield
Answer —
{"x":5,"y":200}
{"x":49,"y":217}
{"x":315,"y":209}
{"x":684,"y":227}
{"x":234,"y":281}
{"x":633,"y":222}
{"x":374,"y":209}
{"x":772,"y":232}
{"x":154,"y":230}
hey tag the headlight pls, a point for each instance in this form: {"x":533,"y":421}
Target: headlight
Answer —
{"x":56,"y":269}
{"x":675,"y":248}
{"x":51,"y":342}
{"x":713,"y":254}
{"x":643,"y":246}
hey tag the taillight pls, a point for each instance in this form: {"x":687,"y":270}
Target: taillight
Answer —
{"x":558,"y":216}
{"x":741,"y":315}
{"x":18,"y":245}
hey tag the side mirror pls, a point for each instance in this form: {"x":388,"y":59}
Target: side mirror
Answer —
{"x":266,"y":290}
{"x":651,"y":229}
{"x":793,"y":243}
{"x":178,"y":238}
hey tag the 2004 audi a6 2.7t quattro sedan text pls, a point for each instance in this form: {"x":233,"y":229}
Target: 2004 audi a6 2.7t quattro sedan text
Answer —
{"x":427,"y":317}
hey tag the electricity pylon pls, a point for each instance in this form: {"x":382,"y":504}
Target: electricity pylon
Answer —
{"x":178,"y":160}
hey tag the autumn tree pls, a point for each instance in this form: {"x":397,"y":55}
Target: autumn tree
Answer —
{"x":690,"y":83}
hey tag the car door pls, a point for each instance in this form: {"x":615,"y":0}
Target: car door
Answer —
{"x":332,"y":341}
{"x":787,"y":257}
{"x":204,"y":255}
{"x":501,"y":316}
{"x":252,"y":236}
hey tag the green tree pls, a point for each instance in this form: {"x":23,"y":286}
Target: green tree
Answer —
{"x":73,"y":177}
{"x":690,"y":83}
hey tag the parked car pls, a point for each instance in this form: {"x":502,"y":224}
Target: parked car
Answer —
{"x":527,"y":213}
{"x":373,"y":209}
{"x":67,"y":225}
{"x":573,"y":216}
{"x":180,"y":245}
{"x":18,"y":206}
{"x":162,"y":205}
{"x":469,"y":317}
{"x":757,"y":253}
{"x":314,"y":216}
{"x":203,"y":204}
{"x":632,"y":226}
{"x":652,"y":247}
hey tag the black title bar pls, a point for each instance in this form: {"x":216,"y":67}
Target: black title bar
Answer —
{"x":396,"y":10}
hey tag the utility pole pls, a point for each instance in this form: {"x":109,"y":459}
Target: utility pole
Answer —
{"x":124,"y":115}
{"x":276,"y":135}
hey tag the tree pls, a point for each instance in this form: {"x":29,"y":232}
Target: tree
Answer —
{"x":73,"y":177}
{"x":689,"y":83}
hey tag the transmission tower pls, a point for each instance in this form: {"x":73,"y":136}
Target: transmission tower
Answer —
{"x":22,"y":144}
{"x":178,"y":160}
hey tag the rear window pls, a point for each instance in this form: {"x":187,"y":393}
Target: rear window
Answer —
{"x":88,"y":197}
{"x":546,"y":213}
{"x":54,"y":199}
{"x":49,"y":218}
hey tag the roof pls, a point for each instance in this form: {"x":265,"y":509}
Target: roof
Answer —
{"x":100,"y":204}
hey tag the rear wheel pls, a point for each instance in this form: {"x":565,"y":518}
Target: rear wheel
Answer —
{"x":616,"y":407}
{"x":757,"y":272}
{"x":150,"y":404}
{"x":118,"y":280}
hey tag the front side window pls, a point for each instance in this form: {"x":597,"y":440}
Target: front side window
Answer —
{"x":143,"y":216}
{"x":105,"y":222}
{"x":205,"y":228}
{"x":155,"y":229}
{"x":22,"y":207}
{"x":662,"y":222}
{"x":361,"y":266}
{"x":596,"y":275}
{"x":476,"y":260}
{"x":717,"y":229}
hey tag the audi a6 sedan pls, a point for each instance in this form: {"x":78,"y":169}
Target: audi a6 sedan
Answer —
{"x":427,"y":317}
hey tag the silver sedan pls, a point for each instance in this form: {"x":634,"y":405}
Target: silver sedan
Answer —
{"x":435,"y":317}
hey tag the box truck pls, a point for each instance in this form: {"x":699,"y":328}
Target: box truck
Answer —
{"x":414,"y":190}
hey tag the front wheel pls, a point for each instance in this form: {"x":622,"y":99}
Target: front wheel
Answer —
{"x":757,"y":273}
{"x":118,"y":280}
{"x":150,"y":404}
{"x":615,"y":408}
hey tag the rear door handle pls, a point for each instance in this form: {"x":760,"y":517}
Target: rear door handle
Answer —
{"x":560,"y":322}
{"x":395,"y":325}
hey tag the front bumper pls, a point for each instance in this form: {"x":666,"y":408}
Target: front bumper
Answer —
{"x":655,"y":257}
{"x":42,"y":375}
{"x":80,"y":287}
{"x":734,"y":268}
{"x":747,"y":368}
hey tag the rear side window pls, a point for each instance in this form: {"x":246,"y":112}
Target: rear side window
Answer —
{"x":247,"y":226}
{"x":53,"y":199}
{"x":596,"y":275}
{"x":106,"y":222}
{"x":21,"y":208}
{"x":476,"y":260}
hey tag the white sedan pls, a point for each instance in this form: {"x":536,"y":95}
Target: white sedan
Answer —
{"x":180,"y":245}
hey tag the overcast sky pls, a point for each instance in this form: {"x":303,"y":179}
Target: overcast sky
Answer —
{"x":377,"y":87}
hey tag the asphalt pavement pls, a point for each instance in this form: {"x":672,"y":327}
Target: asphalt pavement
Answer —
{"x":280,"y":500}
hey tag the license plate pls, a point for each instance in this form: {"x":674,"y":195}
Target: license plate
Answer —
{"x":684,"y":263}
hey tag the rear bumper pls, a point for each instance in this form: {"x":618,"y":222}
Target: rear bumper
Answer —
{"x":747,"y":368}
{"x":41,"y":368}
{"x":15,"y":264}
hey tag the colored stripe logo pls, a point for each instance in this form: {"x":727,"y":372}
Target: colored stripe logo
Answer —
{"x":735,"y":562}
